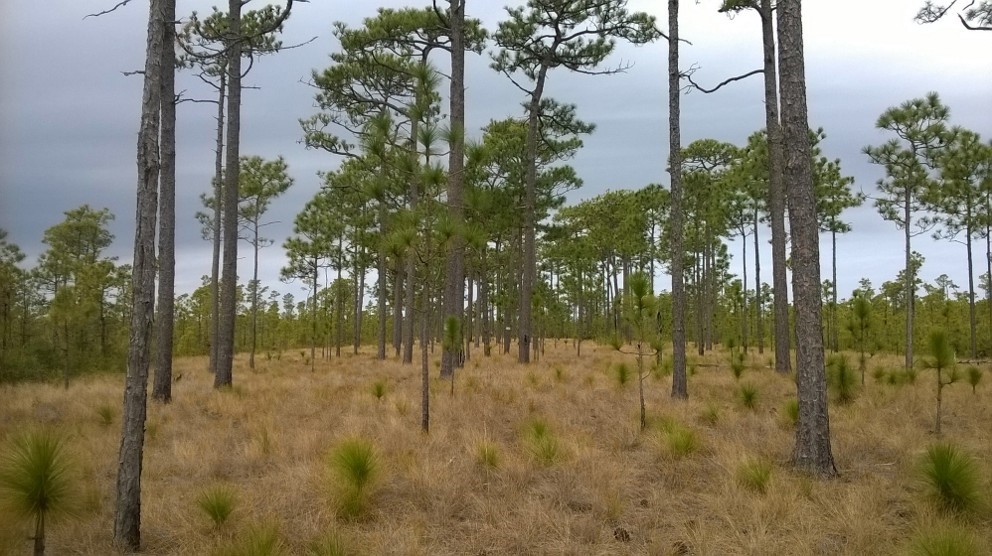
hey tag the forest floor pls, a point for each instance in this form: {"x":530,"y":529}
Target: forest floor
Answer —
{"x":600,"y":486}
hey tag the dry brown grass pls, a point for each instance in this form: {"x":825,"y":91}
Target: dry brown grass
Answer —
{"x":611,"y":490}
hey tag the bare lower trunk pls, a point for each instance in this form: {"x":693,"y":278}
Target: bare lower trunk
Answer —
{"x":530,"y":216}
{"x":162,"y":389}
{"x":835,"y":341}
{"x":127,"y":511}
{"x":972,"y":317}
{"x":381,"y":269}
{"x":232,"y":177}
{"x":254,"y":301}
{"x":218,"y":204}
{"x":908,"y":285}
{"x":812,"y":451}
{"x":776,"y":197}
{"x":679,"y":384}
{"x":398,"y":308}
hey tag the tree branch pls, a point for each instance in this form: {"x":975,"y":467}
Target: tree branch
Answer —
{"x":688,"y":77}
{"x":120,"y":4}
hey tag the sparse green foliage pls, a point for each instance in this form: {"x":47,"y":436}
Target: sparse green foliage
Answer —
{"x":330,"y":544}
{"x":379,"y":389}
{"x":944,"y":541}
{"x":737,"y":365}
{"x":106,"y":413}
{"x":710,"y":414}
{"x":790,"y":412}
{"x":355,"y":468}
{"x":259,"y":540}
{"x":951,"y":477}
{"x":841,"y":378}
{"x":974,"y":377}
{"x":541,"y":442}
{"x":754,"y":474}
{"x":622,"y":374}
{"x":487,"y":454}
{"x":747,"y":393}
{"x":36,"y":480}
{"x":218,"y":502}
{"x":680,"y":440}
{"x":943,"y":359}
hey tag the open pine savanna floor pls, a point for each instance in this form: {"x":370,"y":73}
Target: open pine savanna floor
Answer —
{"x":600,"y":486}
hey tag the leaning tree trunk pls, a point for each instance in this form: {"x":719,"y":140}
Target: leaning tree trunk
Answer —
{"x":776,"y":196}
{"x":812,"y":450}
{"x":680,"y":388}
{"x":127,"y":511}
{"x":232,"y":176}
{"x":164,"y":320}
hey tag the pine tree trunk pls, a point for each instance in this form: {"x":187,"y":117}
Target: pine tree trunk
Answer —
{"x":218,"y":205}
{"x":972,"y":317}
{"x":339,"y":300}
{"x":380,"y":353}
{"x":747,"y":298}
{"x":812,"y":451}
{"x":454,"y":286}
{"x":127,"y":511}
{"x":232,"y":177}
{"x":530,"y":216}
{"x":834,"y":341}
{"x":254,"y":298}
{"x":164,"y":319}
{"x":398,"y":273}
{"x":776,"y":197}
{"x":680,"y":388}
{"x":908,"y":286}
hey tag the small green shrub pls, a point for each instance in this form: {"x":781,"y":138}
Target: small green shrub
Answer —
{"x":622,"y":374}
{"x":106,"y":414}
{"x":755,"y":474}
{"x":218,"y":502}
{"x":379,"y":389}
{"x":909,"y":376}
{"x":790,"y":412}
{"x":974,"y":377}
{"x":878,"y":374}
{"x":842,"y":379}
{"x":330,"y":544}
{"x":710,"y":414}
{"x":259,"y":540}
{"x":355,"y":468}
{"x":952,"y":477}
{"x":944,"y":541}
{"x":487,"y":454}
{"x":36,"y":480}
{"x":748,"y":395}
{"x":681,"y":441}
{"x":541,"y":442}
{"x":737,"y":365}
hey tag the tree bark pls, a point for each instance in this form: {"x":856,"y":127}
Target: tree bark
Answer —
{"x":972,"y":317}
{"x":812,"y":451}
{"x":127,"y":511}
{"x":680,"y":388}
{"x":759,"y":322}
{"x":776,"y":196}
{"x":254,"y":295}
{"x":164,"y":319}
{"x":218,"y":206}
{"x":232,"y":176}
{"x":380,"y":353}
{"x":908,"y":286}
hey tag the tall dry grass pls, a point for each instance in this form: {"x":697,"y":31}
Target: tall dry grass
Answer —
{"x":611,"y":489}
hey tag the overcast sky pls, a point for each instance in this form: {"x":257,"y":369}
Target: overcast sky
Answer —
{"x":68,"y":118}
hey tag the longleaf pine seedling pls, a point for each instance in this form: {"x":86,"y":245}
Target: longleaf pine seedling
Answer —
{"x":952,"y":477}
{"x":355,"y":467}
{"x":943,"y":360}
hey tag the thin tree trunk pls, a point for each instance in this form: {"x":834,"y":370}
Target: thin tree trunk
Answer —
{"x":910,"y":278}
{"x":381,"y":268}
{"x":744,"y":313}
{"x":469,"y":315}
{"x":339,"y":300}
{"x":972,"y":317}
{"x":164,"y":319}
{"x":313,"y":319}
{"x":530,"y":218}
{"x":759,"y":312}
{"x":254,"y":298}
{"x":679,"y":384}
{"x":127,"y":511}
{"x":398,"y":273}
{"x":776,"y":197}
{"x":232,"y":177}
{"x":834,"y":341}
{"x":39,"y":535}
{"x":812,"y":451}
{"x":218,"y":204}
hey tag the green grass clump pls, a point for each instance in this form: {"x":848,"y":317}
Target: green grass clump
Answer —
{"x":710,"y":414}
{"x":560,"y":376}
{"x":952,"y":477}
{"x":36,"y":480}
{"x":842,"y":379}
{"x":909,"y":376}
{"x":754,"y":475}
{"x":790,"y":412}
{"x":622,"y":374}
{"x":218,"y":502}
{"x":487,"y":454}
{"x":748,"y":395}
{"x":974,"y":377}
{"x":259,"y":540}
{"x":945,"y":541}
{"x":879,"y":375}
{"x":379,"y":389}
{"x":681,"y":441}
{"x":355,"y":467}
{"x":541,"y":442}
{"x":737,"y":365}
{"x":330,"y":544}
{"x":106,"y":414}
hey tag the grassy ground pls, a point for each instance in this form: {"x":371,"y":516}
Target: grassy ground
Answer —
{"x":598,"y":486}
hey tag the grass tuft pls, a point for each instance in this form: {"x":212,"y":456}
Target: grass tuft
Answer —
{"x":623,"y":374}
{"x":487,"y":454}
{"x":379,"y":389}
{"x":541,"y":442}
{"x":710,"y":414}
{"x":218,"y":502}
{"x":790,"y":412}
{"x":944,"y":541}
{"x":259,"y":540}
{"x":681,"y":441}
{"x":748,"y":395}
{"x":330,"y":544}
{"x":952,"y":477}
{"x":106,"y":414}
{"x":355,"y":467}
{"x":842,"y":379}
{"x":754,"y":474}
{"x":974,"y":375}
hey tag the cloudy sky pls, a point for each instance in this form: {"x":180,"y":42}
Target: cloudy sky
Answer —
{"x":68,"y":117}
